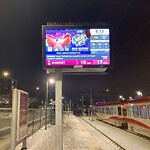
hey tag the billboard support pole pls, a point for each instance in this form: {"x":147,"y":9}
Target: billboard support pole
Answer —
{"x":24,"y":144}
{"x":46,"y":103}
{"x":14,"y":118}
{"x":58,"y":110}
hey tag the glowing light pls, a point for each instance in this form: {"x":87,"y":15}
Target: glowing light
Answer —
{"x":51,"y":81}
{"x":142,"y":106}
{"x":37,"y":88}
{"x":6,"y":74}
{"x":121,"y":97}
{"x":139,"y":93}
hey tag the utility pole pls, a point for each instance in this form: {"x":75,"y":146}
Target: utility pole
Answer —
{"x":82,"y":106}
{"x":70,"y":105}
{"x":46,"y":103}
{"x":91,"y":100}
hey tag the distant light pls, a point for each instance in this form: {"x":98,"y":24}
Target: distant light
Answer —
{"x":107,"y":90}
{"x":130,"y":97}
{"x":121,"y":97}
{"x":37,"y":88}
{"x":51,"y":81}
{"x":139,"y":93}
{"x":6,"y":73}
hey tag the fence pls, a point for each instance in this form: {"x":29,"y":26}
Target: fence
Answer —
{"x":36,"y":119}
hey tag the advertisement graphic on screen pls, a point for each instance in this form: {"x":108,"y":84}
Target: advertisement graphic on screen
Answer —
{"x":69,"y":47}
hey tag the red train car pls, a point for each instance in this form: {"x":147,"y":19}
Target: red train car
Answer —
{"x":133,"y":114}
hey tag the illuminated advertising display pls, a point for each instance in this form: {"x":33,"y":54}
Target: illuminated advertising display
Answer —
{"x":75,"y":46}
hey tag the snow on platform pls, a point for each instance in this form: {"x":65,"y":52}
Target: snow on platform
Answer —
{"x":75,"y":137}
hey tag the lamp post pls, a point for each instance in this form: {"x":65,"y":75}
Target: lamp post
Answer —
{"x":121,"y":97}
{"x":91,"y":100}
{"x":12,"y":85}
{"x":82,"y":100}
{"x":46,"y":101}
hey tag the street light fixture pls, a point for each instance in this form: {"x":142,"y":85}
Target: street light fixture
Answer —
{"x":37,"y":88}
{"x":5,"y":74}
{"x":121,"y":97}
{"x":139,"y":93}
{"x":51,"y":81}
{"x":107,"y":90}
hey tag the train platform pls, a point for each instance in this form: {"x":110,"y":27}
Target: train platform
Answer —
{"x":75,"y":137}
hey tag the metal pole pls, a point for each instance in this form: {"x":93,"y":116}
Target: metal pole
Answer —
{"x":82,"y":106}
{"x":58,"y":110}
{"x":14,"y":118}
{"x":46,"y":101}
{"x":24,"y":144}
{"x":51,"y":114}
{"x":65,"y":106}
{"x":91,"y":104}
{"x":70,"y":105}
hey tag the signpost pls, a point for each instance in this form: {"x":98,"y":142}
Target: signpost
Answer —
{"x":19,"y":121}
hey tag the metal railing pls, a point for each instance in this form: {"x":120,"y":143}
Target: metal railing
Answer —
{"x":36,"y":120}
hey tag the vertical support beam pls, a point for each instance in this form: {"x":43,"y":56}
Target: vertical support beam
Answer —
{"x":24,"y":144}
{"x":58,"y":110}
{"x":91,"y":99}
{"x":46,"y":101}
{"x":82,"y":106}
{"x":70,"y":106}
{"x":14,"y":118}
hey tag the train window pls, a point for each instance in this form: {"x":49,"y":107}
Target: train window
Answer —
{"x":119,"y":111}
{"x":135,"y":111}
{"x":103,"y":109}
{"x":114,"y":111}
{"x":96,"y":109}
{"x":148,"y":109}
{"x":100,"y":110}
{"x":129,"y":111}
{"x":107,"y":110}
{"x":143,"y":111}
{"x":111,"y":110}
{"x":124,"y":111}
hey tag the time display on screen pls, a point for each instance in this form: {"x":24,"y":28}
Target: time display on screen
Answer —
{"x":76,"y":46}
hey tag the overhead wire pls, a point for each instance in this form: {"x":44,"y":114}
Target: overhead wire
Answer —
{"x":131,"y":40}
{"x":123,"y":15}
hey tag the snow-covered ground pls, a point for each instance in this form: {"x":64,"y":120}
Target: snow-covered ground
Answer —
{"x":75,"y":137}
{"x":78,"y":135}
{"x":127,"y":140}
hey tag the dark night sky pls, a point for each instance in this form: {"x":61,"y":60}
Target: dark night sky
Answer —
{"x":129,"y":22}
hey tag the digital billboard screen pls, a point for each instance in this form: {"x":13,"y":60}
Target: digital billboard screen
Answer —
{"x":75,"y":46}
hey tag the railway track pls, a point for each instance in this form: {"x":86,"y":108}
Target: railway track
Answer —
{"x":131,"y":132}
{"x":119,"y":147}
